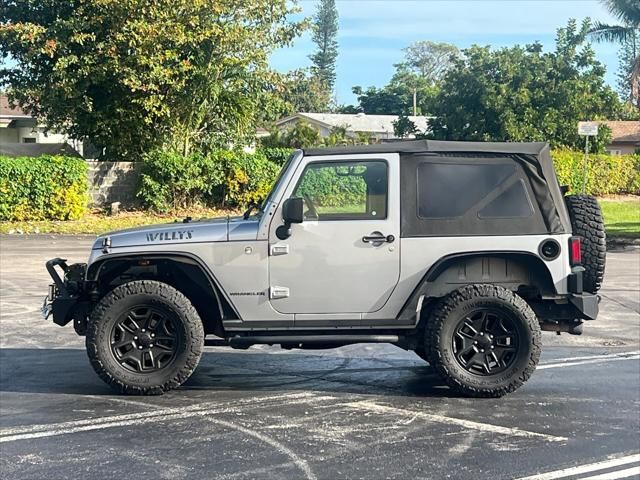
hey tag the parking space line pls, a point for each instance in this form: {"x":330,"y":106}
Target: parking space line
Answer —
{"x":594,"y":467}
{"x":484,"y":427}
{"x":591,"y":357}
{"x":99,"y":423}
{"x":629,"y":472}
{"x":570,"y":362}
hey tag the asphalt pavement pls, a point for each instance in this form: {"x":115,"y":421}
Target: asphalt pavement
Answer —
{"x":362,"y":411}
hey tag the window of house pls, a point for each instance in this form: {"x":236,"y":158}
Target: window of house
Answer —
{"x":344,"y":190}
{"x":28,"y":140}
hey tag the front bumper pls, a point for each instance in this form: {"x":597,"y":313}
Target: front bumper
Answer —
{"x":65,"y":297}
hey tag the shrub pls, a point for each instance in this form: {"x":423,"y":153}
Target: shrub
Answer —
{"x":43,"y":188}
{"x":277,"y":155}
{"x":224,"y":178}
{"x":606,"y":174}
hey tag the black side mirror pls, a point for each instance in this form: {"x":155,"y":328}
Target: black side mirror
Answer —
{"x":292,"y":212}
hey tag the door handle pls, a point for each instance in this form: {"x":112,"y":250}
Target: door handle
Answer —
{"x":378,"y":238}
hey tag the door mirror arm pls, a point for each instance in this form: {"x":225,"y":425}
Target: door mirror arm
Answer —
{"x":292,"y":212}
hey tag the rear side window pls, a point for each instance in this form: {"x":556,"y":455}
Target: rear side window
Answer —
{"x":447,"y":190}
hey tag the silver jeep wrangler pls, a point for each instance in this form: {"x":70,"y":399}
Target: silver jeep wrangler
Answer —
{"x":461,"y":252}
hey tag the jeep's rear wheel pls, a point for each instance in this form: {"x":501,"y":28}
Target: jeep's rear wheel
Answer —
{"x":587,"y":223}
{"x":484,"y":340}
{"x":144,"y":337}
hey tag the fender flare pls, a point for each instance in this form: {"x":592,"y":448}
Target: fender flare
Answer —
{"x":413,"y":303}
{"x":94,"y":270}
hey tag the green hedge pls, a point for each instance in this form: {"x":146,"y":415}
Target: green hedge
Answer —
{"x":277,"y":155}
{"x":224,"y":178}
{"x":606,"y":174}
{"x":43,"y":188}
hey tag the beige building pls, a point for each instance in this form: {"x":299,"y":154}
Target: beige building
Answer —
{"x":625,"y":137}
{"x":18,"y":127}
{"x":377,"y":127}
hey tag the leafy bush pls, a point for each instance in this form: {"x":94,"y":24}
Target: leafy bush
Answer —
{"x":43,"y":188}
{"x":277,"y":155}
{"x":170,"y":180}
{"x":606,"y":174}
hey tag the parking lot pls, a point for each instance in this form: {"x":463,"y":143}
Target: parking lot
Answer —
{"x":362,"y":411}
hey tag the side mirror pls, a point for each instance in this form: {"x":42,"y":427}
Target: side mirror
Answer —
{"x":292,"y":212}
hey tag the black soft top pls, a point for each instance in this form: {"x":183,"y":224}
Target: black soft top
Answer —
{"x":424,"y":146}
{"x":533,"y":157}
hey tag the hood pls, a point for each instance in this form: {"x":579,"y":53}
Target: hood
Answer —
{"x":209,"y":230}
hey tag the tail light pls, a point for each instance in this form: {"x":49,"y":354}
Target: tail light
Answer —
{"x":575,"y":251}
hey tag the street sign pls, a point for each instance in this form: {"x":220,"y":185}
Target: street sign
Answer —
{"x":588,"y":129}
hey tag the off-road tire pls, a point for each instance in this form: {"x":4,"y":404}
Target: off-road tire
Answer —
{"x":115,"y":304}
{"x":442,"y":324}
{"x":587,"y":222}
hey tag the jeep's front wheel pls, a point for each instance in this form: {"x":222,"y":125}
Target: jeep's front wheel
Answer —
{"x":144,"y":338}
{"x":484,"y":340}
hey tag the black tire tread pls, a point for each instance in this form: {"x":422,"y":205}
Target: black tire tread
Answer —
{"x":442,"y":313}
{"x":169,"y":294}
{"x":587,"y":222}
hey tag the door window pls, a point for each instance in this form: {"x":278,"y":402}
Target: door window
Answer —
{"x":344,"y":190}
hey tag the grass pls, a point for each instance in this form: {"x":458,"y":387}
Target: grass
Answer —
{"x":621,"y":215}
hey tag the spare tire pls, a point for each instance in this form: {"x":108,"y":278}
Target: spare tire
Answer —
{"x":587,"y":223}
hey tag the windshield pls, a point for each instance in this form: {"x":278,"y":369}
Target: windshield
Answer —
{"x":278,"y":181}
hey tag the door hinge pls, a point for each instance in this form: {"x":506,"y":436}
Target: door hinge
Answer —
{"x":278,"y":292}
{"x":279,"y":249}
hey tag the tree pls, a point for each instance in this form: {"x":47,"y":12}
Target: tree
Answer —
{"x":404,"y":127}
{"x":523,"y":94}
{"x":396,"y":98}
{"x":300,"y":135}
{"x":628,"y":13}
{"x":131,"y":75}
{"x":430,"y":60}
{"x":420,"y":74}
{"x":302,"y":92}
{"x":628,"y":55}
{"x":325,"y":33}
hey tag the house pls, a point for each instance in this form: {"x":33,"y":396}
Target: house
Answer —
{"x":625,"y":137}
{"x":377,"y":127}
{"x":19,"y":128}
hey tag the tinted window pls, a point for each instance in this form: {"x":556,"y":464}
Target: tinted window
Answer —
{"x":513,"y":202}
{"x":447,"y":190}
{"x":344,"y":190}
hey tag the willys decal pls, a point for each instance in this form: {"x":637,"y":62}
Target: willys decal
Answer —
{"x":170,"y":235}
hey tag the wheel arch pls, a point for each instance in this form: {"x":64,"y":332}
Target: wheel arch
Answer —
{"x":186,"y":273}
{"x":519,"y":271}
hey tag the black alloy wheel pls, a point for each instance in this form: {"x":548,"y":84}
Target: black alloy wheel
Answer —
{"x":485,"y":342}
{"x":145,"y":339}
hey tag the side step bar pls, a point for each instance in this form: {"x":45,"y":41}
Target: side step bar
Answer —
{"x":300,"y":341}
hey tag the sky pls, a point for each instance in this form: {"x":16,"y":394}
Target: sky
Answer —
{"x":372,"y":34}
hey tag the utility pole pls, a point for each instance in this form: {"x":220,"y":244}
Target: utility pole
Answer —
{"x":415,"y":102}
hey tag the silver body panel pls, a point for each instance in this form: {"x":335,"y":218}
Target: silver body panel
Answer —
{"x":323,"y":275}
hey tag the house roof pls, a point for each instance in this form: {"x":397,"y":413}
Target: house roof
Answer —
{"x":7,"y":111}
{"x":624,"y":131}
{"x":358,"y":122}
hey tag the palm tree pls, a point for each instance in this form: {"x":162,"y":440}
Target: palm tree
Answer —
{"x":628,"y":13}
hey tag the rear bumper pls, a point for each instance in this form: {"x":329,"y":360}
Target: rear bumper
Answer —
{"x":586,"y":305}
